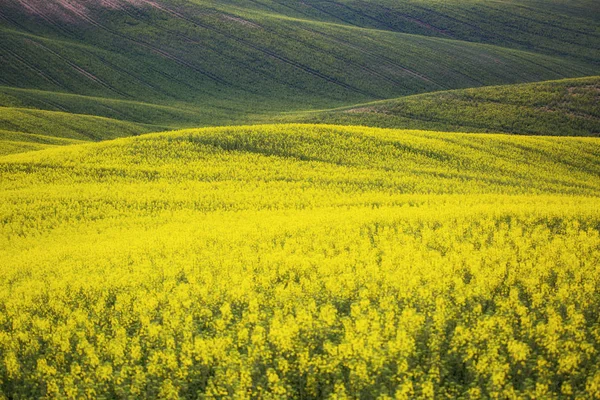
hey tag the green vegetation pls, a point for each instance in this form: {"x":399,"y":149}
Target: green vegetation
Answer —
{"x":175,"y":64}
{"x":556,"y":27}
{"x":18,"y":142}
{"x":567,"y":107}
{"x":560,"y":108}
{"x":66,"y":125}
{"x":303,"y":261}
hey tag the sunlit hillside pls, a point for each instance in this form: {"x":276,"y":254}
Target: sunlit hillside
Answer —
{"x":568,"y":107}
{"x":317,"y":199}
{"x":303,"y":261}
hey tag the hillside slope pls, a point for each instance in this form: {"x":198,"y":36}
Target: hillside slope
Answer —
{"x":301,"y":261}
{"x":567,"y":28}
{"x":225,"y":60}
{"x":567,"y":107}
{"x":557,"y":108}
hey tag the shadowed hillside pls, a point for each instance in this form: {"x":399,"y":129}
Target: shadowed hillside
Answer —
{"x":567,"y":28}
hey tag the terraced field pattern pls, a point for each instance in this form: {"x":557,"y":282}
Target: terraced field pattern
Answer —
{"x":273,"y":199}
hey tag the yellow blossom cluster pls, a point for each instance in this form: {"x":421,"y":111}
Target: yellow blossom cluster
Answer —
{"x":302,"y":261}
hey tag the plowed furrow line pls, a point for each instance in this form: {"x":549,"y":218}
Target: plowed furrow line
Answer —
{"x":525,"y":16}
{"x":412,"y":19}
{"x":362,"y":14}
{"x":52,"y":106}
{"x":204,"y":45}
{"x":332,"y":15}
{"x":126,"y":72}
{"x":48,"y":19}
{"x":357,"y":65}
{"x":151,"y":48}
{"x":266,"y":51}
{"x":32,"y":67}
{"x":127,"y":11}
{"x":82,"y":71}
{"x":378,"y":57}
{"x":317,"y":49}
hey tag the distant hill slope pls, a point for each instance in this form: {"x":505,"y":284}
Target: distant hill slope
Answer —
{"x":256,"y":55}
{"x":567,"y":28}
{"x":559,"y":108}
{"x":125,"y":67}
{"x":567,"y":107}
{"x":17,"y":142}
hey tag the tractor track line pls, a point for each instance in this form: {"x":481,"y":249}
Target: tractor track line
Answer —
{"x":414,"y":20}
{"x":385,"y":59}
{"x":338,"y":58}
{"x":263,"y":50}
{"x":152,"y":48}
{"x":50,"y":21}
{"x":81,"y":70}
{"x":33,"y":68}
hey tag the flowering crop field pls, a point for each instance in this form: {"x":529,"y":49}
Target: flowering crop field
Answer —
{"x":302,"y":261}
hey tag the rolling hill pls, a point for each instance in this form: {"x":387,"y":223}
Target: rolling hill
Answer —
{"x":169,"y":64}
{"x":558,"y":108}
{"x":301,"y":260}
{"x":274,"y":248}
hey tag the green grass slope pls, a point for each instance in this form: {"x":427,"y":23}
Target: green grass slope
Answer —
{"x":24,"y":129}
{"x":216,"y":56}
{"x":160,"y":117}
{"x":20,"y":142}
{"x":557,"y":27}
{"x":559,"y":108}
{"x":301,"y":260}
{"x":64,"y":115}
{"x":146,"y":66}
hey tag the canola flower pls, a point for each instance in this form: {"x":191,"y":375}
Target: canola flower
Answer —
{"x":302,"y":261}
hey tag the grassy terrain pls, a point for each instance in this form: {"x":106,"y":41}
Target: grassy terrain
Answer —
{"x":67,"y":125}
{"x":556,"y":27}
{"x":565,"y":107}
{"x":210,"y":50}
{"x":19,"y":142}
{"x":558,"y":108}
{"x":158,"y":117}
{"x":176,"y":64}
{"x":304,"y":261}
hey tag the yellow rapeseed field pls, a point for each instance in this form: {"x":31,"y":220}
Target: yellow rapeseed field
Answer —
{"x":302,"y":261}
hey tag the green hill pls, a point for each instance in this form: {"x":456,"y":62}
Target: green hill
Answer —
{"x":559,"y":108}
{"x":556,"y":27}
{"x":19,"y":142}
{"x":204,"y":52}
{"x":301,"y":261}
{"x":175,"y":64}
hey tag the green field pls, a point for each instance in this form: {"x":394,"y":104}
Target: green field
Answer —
{"x":176,"y":64}
{"x":568,"y":107}
{"x":556,"y":108}
{"x":269,"y":199}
